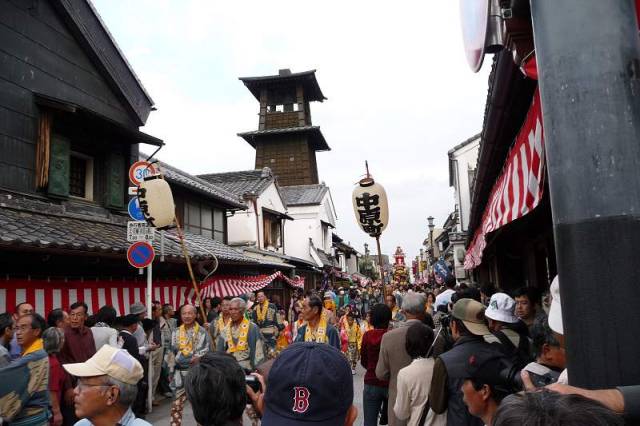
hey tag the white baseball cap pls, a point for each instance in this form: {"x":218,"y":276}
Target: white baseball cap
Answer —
{"x":555,"y":312}
{"x":109,"y":361}
{"x":501,"y":308}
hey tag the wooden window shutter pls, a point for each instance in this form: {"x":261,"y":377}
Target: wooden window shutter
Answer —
{"x":266,"y":230}
{"x":43,"y":148}
{"x":115,"y":180}
{"x":59,"y":165}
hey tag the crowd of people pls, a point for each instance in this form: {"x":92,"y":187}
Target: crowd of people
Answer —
{"x":450,"y":355}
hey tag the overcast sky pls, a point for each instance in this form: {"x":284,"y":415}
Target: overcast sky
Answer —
{"x":400,"y":93}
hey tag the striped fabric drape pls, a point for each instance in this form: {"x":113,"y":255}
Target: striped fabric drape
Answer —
{"x":519,"y":188}
{"x":235,"y":286}
{"x":46,"y":295}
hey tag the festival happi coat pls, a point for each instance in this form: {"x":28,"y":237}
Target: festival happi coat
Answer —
{"x":244,"y":342}
{"x":323,"y":333}
{"x":189,"y":342}
{"x":265,"y":315}
{"x":23,"y":388}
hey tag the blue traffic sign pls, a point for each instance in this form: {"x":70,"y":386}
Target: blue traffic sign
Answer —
{"x":134,"y":209}
{"x":140,"y":254}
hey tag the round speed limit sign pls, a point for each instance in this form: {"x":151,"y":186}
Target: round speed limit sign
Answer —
{"x":139,"y":170}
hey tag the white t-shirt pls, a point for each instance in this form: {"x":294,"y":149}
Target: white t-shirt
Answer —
{"x":443,"y":298}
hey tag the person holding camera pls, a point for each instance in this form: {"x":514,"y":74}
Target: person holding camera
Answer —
{"x":217,"y":374}
{"x":467,"y":330}
{"x":550,"y":357}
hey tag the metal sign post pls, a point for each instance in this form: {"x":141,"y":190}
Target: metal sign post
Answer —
{"x":150,"y":354}
{"x":141,"y":254}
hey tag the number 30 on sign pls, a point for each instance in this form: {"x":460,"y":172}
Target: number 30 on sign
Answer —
{"x":139,"y":170}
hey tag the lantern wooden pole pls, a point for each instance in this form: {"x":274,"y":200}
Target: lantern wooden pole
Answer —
{"x":380,"y":262}
{"x":196,"y":288}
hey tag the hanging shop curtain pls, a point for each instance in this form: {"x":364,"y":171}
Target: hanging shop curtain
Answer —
{"x":519,"y":187}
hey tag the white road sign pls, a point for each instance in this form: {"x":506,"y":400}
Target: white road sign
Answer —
{"x":139,"y":231}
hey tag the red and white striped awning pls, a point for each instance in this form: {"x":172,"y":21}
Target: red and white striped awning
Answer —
{"x":519,"y":188}
{"x":46,"y":295}
{"x":235,"y":286}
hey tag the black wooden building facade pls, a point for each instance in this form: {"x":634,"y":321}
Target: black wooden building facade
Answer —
{"x":70,"y":111}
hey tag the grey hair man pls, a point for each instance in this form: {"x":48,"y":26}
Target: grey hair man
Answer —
{"x":107,"y":386}
{"x":393,"y":353}
{"x":241,"y":337}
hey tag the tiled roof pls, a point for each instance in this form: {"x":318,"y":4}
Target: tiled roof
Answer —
{"x":316,"y":139}
{"x":324,"y":258}
{"x":304,"y":195}
{"x":464,"y":143}
{"x":312,"y":90}
{"x":242,"y":182}
{"x":40,"y":224}
{"x":194,"y":183}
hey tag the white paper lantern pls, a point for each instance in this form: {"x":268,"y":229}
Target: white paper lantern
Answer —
{"x":156,"y":202}
{"x":370,"y":206}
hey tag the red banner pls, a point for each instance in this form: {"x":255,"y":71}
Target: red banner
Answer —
{"x":519,"y":188}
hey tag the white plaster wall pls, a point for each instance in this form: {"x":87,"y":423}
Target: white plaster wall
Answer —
{"x":298,"y":231}
{"x":242,"y":226}
{"x":466,"y":158}
{"x":352,"y":264}
{"x":307,"y":224}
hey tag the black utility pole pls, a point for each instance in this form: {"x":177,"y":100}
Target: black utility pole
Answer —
{"x":588,"y":58}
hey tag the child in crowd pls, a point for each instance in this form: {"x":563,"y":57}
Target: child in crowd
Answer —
{"x":354,"y":339}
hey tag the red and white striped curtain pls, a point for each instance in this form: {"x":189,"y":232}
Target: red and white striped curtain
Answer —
{"x":235,"y":286}
{"x":46,"y":295}
{"x":519,"y":188}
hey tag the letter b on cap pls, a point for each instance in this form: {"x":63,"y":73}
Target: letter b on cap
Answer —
{"x":300,"y":399}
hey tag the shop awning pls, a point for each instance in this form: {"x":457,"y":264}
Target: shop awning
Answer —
{"x":237,"y":285}
{"x":518,"y":189}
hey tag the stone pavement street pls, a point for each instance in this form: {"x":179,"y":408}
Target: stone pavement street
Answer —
{"x":160,"y":415}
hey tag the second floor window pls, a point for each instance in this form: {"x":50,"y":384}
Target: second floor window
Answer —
{"x":204,"y":220}
{"x":272,"y":230}
{"x":81,"y":176}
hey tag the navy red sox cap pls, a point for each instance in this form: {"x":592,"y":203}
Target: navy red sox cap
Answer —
{"x":308,"y":383}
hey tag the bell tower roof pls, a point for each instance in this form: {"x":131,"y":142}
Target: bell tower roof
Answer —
{"x":286,"y":140}
{"x":286,"y":78}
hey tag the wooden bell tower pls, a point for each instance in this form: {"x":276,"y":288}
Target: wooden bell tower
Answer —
{"x":286,"y":141}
